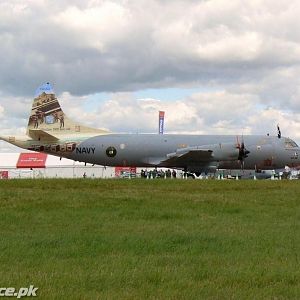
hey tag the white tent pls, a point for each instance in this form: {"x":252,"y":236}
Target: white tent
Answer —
{"x":51,"y":167}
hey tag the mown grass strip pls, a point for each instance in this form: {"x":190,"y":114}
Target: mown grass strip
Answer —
{"x":162,"y":239}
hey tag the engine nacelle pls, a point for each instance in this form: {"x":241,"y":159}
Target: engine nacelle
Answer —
{"x":223,"y":151}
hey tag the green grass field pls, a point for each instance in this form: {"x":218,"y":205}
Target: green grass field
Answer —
{"x":151,"y":239}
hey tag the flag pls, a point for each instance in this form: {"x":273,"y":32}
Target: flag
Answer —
{"x":161,"y":122}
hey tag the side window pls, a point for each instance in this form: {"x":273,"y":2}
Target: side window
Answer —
{"x":290,"y":144}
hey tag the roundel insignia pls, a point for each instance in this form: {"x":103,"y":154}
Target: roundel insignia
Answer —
{"x":111,"y":151}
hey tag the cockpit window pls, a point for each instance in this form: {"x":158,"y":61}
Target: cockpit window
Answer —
{"x":290,"y":143}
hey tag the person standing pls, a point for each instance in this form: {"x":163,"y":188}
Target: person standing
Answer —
{"x":174,"y":174}
{"x":62,"y":121}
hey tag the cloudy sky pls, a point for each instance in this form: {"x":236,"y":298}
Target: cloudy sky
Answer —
{"x":213,"y":66}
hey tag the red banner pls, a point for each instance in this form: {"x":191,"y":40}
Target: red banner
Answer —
{"x":123,"y":171}
{"x":32,"y":160}
{"x":3,"y":174}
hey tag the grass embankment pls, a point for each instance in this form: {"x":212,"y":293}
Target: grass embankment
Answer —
{"x":160,"y":239}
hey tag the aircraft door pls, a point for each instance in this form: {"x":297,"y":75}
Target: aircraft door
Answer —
{"x":264,"y":156}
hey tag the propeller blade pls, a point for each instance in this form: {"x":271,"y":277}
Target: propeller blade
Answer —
{"x":243,"y":152}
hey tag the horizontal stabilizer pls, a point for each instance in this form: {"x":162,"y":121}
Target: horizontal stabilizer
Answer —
{"x":41,"y":135}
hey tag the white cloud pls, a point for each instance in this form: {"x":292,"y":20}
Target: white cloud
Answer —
{"x":91,"y":24}
{"x":121,"y":45}
{"x":202,"y":113}
{"x":1,"y":111}
{"x":246,"y":54}
{"x":268,"y":118}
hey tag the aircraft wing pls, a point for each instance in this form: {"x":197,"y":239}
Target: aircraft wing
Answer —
{"x":202,"y":155}
{"x":41,"y":135}
{"x":190,"y":155}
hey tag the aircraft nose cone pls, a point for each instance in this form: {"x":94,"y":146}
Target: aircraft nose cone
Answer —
{"x":295,"y":155}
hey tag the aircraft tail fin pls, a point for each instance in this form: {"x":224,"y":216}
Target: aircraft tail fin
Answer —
{"x":48,"y":119}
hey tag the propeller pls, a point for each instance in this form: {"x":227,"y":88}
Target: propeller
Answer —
{"x":243,"y":152}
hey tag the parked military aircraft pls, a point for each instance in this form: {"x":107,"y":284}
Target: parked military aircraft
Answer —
{"x":51,"y":131}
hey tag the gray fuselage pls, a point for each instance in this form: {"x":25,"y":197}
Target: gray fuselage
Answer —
{"x":145,"y":150}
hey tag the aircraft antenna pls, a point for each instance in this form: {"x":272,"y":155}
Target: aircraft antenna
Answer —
{"x":278,"y":131}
